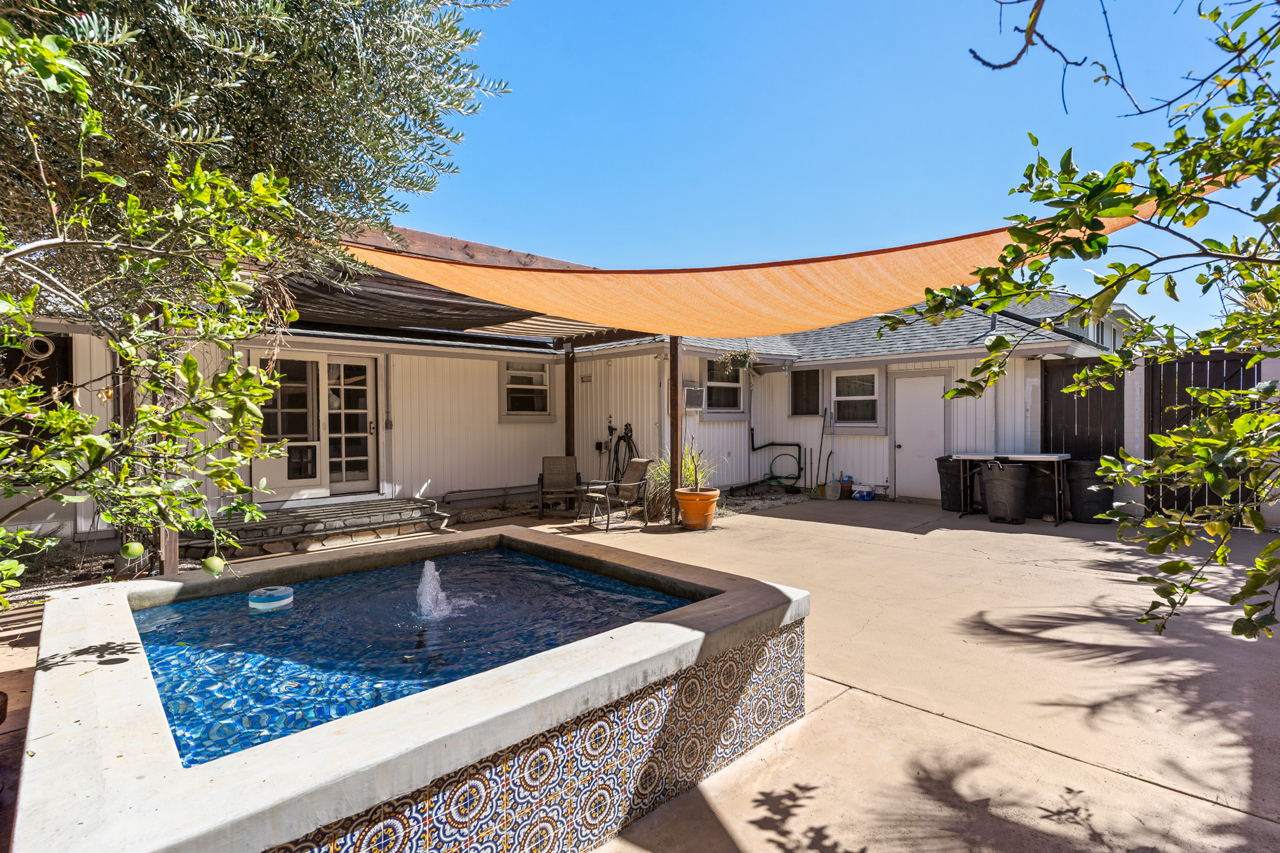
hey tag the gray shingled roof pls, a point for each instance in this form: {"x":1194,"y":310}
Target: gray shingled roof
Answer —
{"x":1052,"y":306}
{"x":859,"y":339}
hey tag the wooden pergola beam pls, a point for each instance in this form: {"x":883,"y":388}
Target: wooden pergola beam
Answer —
{"x":610,"y":336}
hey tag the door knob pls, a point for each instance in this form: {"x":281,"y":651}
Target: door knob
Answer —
{"x":899,"y":446}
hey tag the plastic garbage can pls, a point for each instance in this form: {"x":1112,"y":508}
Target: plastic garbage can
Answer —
{"x":1082,"y":474}
{"x":949,"y":483}
{"x":1006,"y":492}
{"x":1040,"y":497}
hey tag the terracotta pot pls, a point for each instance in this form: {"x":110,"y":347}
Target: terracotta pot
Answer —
{"x":697,"y":507}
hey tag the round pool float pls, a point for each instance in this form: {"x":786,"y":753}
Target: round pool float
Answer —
{"x":271,"y":597}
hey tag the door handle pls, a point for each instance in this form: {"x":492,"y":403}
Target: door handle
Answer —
{"x":898,"y":446}
{"x":372,"y":427}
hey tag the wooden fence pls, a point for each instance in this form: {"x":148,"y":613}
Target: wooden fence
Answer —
{"x":1088,"y":426}
{"x":1168,"y":406}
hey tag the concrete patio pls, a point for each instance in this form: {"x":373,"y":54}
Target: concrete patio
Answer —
{"x":980,"y":687}
{"x":971,"y":687}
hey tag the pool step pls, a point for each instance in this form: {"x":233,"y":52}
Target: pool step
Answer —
{"x":312,"y":528}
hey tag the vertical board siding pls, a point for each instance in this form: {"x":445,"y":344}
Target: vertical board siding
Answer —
{"x":446,"y":430}
{"x":1085,"y":425}
{"x":996,"y":422}
{"x":626,"y":390}
{"x":1169,"y":405}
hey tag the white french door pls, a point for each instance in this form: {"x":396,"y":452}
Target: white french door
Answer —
{"x":353,"y":425}
{"x":326,"y":412}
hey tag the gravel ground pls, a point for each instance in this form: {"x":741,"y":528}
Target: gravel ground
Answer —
{"x":741,"y":504}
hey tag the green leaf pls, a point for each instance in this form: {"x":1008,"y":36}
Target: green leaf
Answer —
{"x":103,"y":177}
{"x":1114,"y":212}
{"x":1176,"y":567}
{"x":1236,"y":126}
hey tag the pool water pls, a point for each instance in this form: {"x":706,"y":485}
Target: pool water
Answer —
{"x":231,"y":677}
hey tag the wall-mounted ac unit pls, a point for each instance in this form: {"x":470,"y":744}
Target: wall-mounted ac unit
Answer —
{"x":694,"y":398}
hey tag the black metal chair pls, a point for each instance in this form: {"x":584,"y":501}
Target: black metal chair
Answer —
{"x":607,"y":497}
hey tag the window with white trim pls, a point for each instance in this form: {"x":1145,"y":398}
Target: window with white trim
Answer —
{"x":724,"y":388}
{"x":525,"y":388}
{"x":855,"y":398}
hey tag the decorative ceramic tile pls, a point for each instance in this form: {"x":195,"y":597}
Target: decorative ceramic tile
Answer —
{"x":569,"y":789}
{"x":466,"y":802}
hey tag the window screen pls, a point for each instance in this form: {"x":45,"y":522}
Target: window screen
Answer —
{"x":804,"y":392}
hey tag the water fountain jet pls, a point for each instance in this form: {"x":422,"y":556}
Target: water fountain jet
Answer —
{"x":432,"y":602}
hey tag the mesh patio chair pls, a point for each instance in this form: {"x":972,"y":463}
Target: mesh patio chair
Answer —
{"x":559,"y":480}
{"x":607,"y":496}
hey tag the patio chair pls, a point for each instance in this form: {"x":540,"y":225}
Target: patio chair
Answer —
{"x":559,"y":480}
{"x":607,"y":496}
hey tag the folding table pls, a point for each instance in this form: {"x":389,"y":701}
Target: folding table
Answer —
{"x":1057,"y":465}
{"x":969,"y":467}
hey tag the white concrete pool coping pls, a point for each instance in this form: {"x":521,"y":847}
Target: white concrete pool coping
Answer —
{"x":102,"y":772}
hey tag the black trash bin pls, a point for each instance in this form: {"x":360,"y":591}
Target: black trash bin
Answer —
{"x":1086,"y":503}
{"x":1006,"y":487}
{"x":949,"y":483}
{"x":1041,"y":500}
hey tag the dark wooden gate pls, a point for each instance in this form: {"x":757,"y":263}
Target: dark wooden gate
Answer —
{"x":1168,"y":406}
{"x":1087,"y":426}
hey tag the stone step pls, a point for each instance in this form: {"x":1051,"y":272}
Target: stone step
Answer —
{"x":311,"y":528}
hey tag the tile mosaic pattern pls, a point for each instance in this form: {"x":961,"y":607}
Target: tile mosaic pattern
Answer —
{"x":572,"y":788}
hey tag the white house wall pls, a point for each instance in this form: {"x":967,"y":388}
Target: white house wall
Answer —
{"x":445,"y":430}
{"x":995,"y":423}
{"x":623,"y":390}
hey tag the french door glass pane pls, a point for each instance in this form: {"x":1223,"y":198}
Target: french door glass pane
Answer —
{"x":349,"y":423}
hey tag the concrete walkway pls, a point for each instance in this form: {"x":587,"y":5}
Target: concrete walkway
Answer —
{"x":979,"y":687}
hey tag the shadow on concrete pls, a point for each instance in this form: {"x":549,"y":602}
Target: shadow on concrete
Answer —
{"x":1220,"y":695}
{"x":687,"y":824}
{"x":103,"y":654}
{"x":958,"y":814}
{"x":784,"y":827}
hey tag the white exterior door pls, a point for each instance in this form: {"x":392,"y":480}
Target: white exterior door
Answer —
{"x":326,"y":412}
{"x":353,"y":425}
{"x":919,"y":421}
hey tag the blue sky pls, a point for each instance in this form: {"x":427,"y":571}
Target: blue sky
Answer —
{"x":674,"y":134}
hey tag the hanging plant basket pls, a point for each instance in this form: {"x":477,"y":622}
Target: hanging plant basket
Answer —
{"x":738,"y":359}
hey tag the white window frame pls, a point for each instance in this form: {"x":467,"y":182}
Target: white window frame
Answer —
{"x":505,"y":372}
{"x":877,"y":395}
{"x":722,"y":413}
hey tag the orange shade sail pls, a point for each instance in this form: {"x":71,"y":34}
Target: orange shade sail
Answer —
{"x":752,"y":300}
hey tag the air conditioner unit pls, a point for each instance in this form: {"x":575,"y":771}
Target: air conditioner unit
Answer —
{"x":694,"y":398}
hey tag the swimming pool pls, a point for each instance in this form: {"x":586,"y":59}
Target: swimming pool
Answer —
{"x":555,"y":750}
{"x":231,"y":677}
